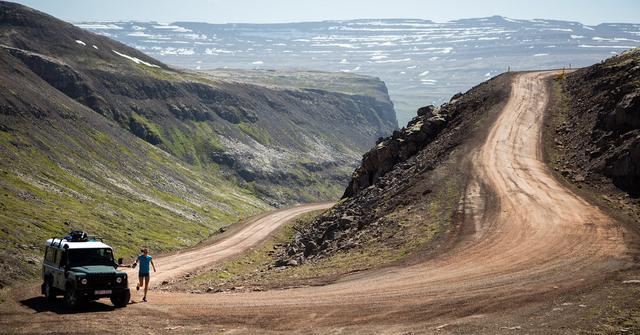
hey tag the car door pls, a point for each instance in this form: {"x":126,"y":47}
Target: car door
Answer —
{"x":46,"y":264}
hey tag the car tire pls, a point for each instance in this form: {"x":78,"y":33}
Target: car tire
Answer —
{"x":71,"y":298}
{"x":49,"y":290}
{"x":121,"y":300}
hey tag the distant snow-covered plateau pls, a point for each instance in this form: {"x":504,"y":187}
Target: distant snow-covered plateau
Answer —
{"x":422,"y":62}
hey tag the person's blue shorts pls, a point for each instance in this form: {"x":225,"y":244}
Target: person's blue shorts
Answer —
{"x":142,"y":275}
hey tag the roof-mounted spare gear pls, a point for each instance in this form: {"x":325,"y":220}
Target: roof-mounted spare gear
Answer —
{"x":77,"y":239}
{"x":77,"y":236}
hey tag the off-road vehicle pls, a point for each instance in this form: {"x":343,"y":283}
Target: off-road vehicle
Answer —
{"x":82,"y":269}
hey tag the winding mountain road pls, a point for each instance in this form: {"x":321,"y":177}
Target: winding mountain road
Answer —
{"x":251,"y":233}
{"x":535,"y":239}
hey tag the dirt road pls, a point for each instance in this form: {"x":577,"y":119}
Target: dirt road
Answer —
{"x":535,"y":240}
{"x":250,"y":234}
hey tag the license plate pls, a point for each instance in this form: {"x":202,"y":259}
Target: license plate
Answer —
{"x":102,"y":292}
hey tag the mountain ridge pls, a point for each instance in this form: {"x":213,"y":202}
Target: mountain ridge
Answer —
{"x":422,"y":62}
{"x":391,"y":19}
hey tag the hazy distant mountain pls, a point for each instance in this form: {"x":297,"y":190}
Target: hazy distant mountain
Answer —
{"x":421,"y":61}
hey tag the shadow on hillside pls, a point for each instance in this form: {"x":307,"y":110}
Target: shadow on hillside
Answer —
{"x":40,"y":304}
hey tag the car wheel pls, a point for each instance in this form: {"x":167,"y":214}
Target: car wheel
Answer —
{"x":71,"y":298}
{"x":121,"y":300}
{"x":49,"y":291}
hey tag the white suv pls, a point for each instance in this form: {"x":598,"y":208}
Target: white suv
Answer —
{"x":82,"y":269}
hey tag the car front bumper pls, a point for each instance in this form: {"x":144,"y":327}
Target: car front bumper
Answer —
{"x":97,"y":293}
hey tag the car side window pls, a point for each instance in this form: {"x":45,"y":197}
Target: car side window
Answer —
{"x":58,"y":258}
{"x":51,"y":255}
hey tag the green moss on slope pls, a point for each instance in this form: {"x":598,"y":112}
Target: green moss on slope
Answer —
{"x":109,"y":188}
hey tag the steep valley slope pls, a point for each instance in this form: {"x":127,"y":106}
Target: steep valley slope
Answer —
{"x":98,"y":136}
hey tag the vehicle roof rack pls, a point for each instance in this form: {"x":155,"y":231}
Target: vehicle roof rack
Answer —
{"x":59,"y":240}
{"x":75,"y":236}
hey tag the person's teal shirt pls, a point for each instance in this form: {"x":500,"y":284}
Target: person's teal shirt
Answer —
{"x":144,"y":264}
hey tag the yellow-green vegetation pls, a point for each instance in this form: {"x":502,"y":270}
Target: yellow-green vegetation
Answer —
{"x":195,"y":145}
{"x":160,"y":73}
{"x":130,"y":195}
{"x":318,"y":187}
{"x":261,"y":135}
{"x":145,"y":129}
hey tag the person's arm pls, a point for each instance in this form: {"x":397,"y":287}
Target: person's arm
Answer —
{"x":153,"y":265}
{"x":134,"y":264}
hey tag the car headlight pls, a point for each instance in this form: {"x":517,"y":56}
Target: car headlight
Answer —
{"x":83,"y":281}
{"x":119,"y":280}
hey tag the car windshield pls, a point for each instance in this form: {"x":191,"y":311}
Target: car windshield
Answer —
{"x":83,"y":257}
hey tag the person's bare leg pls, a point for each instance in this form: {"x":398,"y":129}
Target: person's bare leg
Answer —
{"x":139,"y":283}
{"x":146,"y":287}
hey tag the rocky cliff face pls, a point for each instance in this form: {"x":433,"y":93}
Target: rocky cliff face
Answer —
{"x":403,"y":144}
{"x":600,"y":136}
{"x":400,"y":178}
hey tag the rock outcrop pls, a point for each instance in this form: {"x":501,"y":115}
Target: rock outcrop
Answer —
{"x":399,"y":172}
{"x":601,"y":134}
{"x":399,"y":147}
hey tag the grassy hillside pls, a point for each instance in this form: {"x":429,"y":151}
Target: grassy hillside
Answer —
{"x":63,"y":167}
{"x":282,"y":139}
{"x":95,"y":135}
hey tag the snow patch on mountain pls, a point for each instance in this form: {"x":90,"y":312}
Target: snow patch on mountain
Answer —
{"x":134,"y":59}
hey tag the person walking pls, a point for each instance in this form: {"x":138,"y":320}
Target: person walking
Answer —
{"x":143,"y":271}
